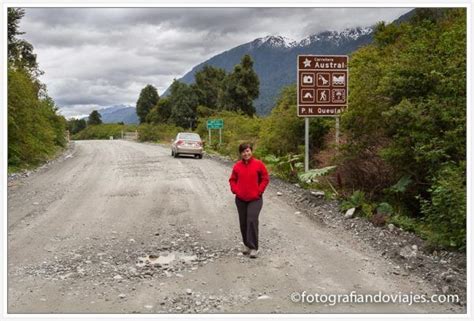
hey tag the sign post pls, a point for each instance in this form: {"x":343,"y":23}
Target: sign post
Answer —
{"x":322,"y":83}
{"x":215,"y":124}
{"x":306,"y":144}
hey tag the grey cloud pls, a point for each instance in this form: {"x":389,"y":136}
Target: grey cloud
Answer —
{"x":91,"y":92}
{"x":342,"y":18}
{"x":194,"y":18}
{"x":218,"y":21}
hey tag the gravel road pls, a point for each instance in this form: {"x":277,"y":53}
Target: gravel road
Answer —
{"x":123,"y":227}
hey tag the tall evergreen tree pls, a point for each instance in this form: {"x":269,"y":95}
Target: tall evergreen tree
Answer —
{"x":240,"y":88}
{"x":208,"y":83}
{"x":14,"y":17}
{"x":183,"y":101}
{"x":146,"y":101}
{"x":20,"y":52}
{"x":94,"y":118}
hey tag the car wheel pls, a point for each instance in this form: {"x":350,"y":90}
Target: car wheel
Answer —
{"x":175,"y":155}
{"x":172,"y":153}
{"x":200,"y":156}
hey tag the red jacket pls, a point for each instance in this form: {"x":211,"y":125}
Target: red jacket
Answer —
{"x":249,"y":180}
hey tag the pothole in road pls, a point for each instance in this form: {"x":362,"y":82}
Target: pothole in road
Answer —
{"x":174,"y":260}
{"x":166,"y":259}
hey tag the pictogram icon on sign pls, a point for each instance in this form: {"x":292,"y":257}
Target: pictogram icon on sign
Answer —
{"x":338,"y":79}
{"x":338,"y":95}
{"x":307,"y":79}
{"x":323,"y":79}
{"x":307,"y":63}
{"x":323,"y":96}
{"x":307,"y":95}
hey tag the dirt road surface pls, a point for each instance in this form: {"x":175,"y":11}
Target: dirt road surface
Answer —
{"x":123,"y":227}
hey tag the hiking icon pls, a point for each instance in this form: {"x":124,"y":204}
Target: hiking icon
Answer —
{"x":323,"y":96}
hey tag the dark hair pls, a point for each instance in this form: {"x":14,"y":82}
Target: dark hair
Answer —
{"x":244,"y":146}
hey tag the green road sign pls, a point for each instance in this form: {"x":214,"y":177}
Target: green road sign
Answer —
{"x":215,"y":123}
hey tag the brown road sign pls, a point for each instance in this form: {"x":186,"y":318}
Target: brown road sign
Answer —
{"x":322,"y":85}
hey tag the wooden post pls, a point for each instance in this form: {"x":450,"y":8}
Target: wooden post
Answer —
{"x":306,"y":144}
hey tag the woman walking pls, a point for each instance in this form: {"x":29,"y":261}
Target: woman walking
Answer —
{"x":248,"y":181}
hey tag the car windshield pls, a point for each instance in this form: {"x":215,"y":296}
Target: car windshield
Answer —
{"x":190,"y":136}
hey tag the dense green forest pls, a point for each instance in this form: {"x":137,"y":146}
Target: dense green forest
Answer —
{"x":36,"y":132}
{"x":406,"y":126}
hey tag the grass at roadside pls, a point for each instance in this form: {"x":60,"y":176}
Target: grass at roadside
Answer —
{"x":103,"y":131}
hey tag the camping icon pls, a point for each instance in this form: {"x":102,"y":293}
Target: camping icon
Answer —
{"x":307,"y":96}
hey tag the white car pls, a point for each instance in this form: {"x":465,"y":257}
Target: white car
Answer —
{"x":187,"y":144}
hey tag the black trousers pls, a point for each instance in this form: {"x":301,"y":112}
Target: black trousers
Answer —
{"x":248,"y":218}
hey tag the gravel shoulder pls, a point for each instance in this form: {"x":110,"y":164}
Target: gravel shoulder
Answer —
{"x":122,"y":227}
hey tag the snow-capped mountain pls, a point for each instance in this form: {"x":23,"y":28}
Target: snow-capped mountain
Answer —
{"x":338,"y":37}
{"x":274,"y":42}
{"x":287,"y":43}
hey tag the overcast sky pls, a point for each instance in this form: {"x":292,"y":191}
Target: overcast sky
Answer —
{"x":98,"y":57}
